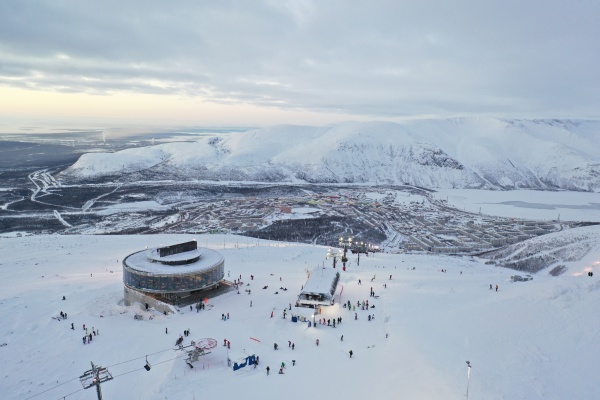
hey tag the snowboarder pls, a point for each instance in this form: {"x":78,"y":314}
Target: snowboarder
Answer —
{"x":351,"y":353}
{"x":275,"y":346}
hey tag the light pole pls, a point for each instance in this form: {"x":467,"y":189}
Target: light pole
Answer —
{"x":468,"y":377}
{"x":345,"y":244}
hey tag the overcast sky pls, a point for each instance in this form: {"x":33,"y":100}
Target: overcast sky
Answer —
{"x":269,"y":62}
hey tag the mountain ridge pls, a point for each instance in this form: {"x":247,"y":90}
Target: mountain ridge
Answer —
{"x":468,"y":152}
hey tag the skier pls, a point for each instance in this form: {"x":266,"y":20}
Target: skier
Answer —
{"x":166,"y":330}
{"x":496,"y":288}
{"x":351,"y":353}
{"x":268,"y":369}
{"x":317,"y":342}
{"x":342,"y":338}
{"x":72,"y":327}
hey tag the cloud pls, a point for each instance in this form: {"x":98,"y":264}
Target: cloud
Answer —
{"x":379,"y":59}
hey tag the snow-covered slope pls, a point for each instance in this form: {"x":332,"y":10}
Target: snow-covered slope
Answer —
{"x":544,"y":251}
{"x":449,"y":153}
{"x":528,"y":340}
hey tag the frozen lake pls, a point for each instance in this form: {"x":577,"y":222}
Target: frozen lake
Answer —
{"x":531,"y":204}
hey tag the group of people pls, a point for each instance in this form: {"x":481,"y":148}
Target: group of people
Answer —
{"x":330,"y":321}
{"x":88,"y":335}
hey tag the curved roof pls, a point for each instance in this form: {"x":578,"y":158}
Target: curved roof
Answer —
{"x":149,"y":262}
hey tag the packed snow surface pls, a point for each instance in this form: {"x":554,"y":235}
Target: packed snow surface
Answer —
{"x":528,"y":340}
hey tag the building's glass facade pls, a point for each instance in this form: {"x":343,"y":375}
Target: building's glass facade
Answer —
{"x":181,"y":282}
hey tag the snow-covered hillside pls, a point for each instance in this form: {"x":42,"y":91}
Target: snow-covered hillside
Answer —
{"x":451,"y":153}
{"x":528,"y":340}
{"x":544,"y":251}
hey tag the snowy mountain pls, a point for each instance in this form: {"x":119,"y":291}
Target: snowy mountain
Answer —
{"x":483,"y":153}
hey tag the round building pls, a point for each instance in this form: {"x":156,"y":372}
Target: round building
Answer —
{"x":171,"y":274}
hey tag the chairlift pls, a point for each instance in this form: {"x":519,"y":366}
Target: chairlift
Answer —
{"x":147,"y":366}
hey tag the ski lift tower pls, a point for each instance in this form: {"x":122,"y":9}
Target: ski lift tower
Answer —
{"x":94,"y":377}
{"x":332,"y":253}
{"x":199,"y":348}
{"x":345,"y":244}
